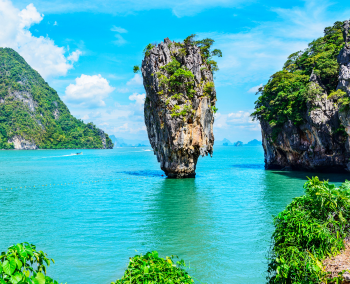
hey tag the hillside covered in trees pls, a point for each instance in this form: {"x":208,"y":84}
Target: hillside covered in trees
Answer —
{"x":32,"y":116}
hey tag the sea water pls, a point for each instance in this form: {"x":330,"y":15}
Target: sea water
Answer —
{"x":91,"y":212}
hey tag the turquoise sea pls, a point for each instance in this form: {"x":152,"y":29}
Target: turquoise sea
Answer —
{"x":92,"y":212}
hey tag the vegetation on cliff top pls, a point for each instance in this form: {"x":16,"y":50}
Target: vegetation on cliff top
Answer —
{"x":286,"y":94}
{"x":176,"y":81}
{"x":310,"y":229}
{"x":37,"y":123}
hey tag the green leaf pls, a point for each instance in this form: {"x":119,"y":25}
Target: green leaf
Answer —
{"x":18,"y":263}
{"x":17,"y":277}
{"x":9,"y":266}
{"x":40,"y":278}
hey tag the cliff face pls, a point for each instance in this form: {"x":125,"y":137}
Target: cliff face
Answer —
{"x":32,"y":115}
{"x":179,"y":106}
{"x":320,"y":140}
{"x":344,"y":76}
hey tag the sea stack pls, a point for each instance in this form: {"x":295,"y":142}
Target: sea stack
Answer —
{"x":304,"y":109}
{"x":179,"y":106}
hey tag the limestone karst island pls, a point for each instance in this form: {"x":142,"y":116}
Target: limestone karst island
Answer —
{"x":109,"y":169}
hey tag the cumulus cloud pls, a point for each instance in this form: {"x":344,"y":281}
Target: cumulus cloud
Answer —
{"x":140,"y":100}
{"x":239,"y":120}
{"x":126,"y":119}
{"x":40,"y":52}
{"x":118,"y":30}
{"x":135,"y":81}
{"x":88,"y":91}
{"x":74,"y":56}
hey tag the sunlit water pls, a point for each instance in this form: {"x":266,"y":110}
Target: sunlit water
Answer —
{"x":92,"y":212}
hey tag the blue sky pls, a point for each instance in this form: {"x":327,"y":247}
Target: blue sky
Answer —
{"x":86,"y":51}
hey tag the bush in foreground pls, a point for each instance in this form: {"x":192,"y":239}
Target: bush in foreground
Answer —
{"x":23,"y":264}
{"x":310,"y":229}
{"x":151,"y":269}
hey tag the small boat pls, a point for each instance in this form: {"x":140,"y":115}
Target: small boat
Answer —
{"x":79,"y":153}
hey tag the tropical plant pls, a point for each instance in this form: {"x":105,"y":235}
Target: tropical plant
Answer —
{"x":152,"y":269}
{"x":23,"y":264}
{"x":310,"y":229}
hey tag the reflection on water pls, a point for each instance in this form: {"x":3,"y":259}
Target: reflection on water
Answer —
{"x":220,"y":222}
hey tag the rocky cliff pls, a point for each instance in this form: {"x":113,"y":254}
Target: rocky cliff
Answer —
{"x":32,"y":116}
{"x":303,"y":109}
{"x":180,"y":104}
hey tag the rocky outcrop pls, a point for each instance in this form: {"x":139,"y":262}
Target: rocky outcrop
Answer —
{"x":21,"y":144}
{"x":319,"y":143}
{"x":313,"y":145}
{"x":179,"y":106}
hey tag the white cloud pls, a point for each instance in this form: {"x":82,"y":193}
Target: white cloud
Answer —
{"x":135,"y":81}
{"x":254,"y":54}
{"x":118,"y":30}
{"x":55,"y":23}
{"x":236,"y":120}
{"x":74,"y":56}
{"x":88,"y":91}
{"x":140,"y":100}
{"x":255,"y":89}
{"x":40,"y":52}
{"x":120,"y":40}
{"x":29,"y":16}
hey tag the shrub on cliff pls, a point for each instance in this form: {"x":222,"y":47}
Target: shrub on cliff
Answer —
{"x":152,"y":269}
{"x":310,"y":229}
{"x":23,"y":264}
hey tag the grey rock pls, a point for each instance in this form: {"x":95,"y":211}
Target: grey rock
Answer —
{"x":21,"y":144}
{"x":178,"y":140}
{"x":314,"y":145}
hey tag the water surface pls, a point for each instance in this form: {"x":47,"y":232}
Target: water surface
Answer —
{"x":91,"y":212}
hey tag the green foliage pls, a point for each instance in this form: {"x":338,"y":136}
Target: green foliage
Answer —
{"x":19,"y":83}
{"x":214,"y":109}
{"x":178,"y":79}
{"x":136,"y":69}
{"x":23,"y":264}
{"x":208,"y":88}
{"x":285,"y":95}
{"x":341,"y":98}
{"x":207,"y":54}
{"x":152,"y":269}
{"x":309,"y":230}
{"x":283,"y":98}
{"x":190,"y":40}
{"x":147,"y":49}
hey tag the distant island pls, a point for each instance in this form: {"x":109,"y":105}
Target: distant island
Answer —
{"x":226,"y":142}
{"x":121,"y":142}
{"x":32,"y":115}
